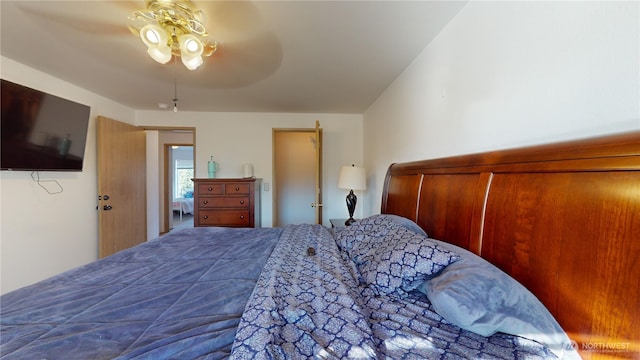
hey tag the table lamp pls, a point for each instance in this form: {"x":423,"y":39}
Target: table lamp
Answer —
{"x":352,"y":178}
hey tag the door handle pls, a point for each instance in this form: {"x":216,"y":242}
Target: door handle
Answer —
{"x":316,"y":205}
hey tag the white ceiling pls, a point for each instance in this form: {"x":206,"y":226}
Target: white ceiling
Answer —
{"x":274,"y":56}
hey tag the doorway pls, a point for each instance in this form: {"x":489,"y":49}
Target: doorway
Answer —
{"x":297,"y":163}
{"x":179,"y":167}
{"x":168,"y":138}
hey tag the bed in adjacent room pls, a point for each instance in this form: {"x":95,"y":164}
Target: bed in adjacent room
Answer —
{"x":183,"y":205}
{"x":526,"y":253}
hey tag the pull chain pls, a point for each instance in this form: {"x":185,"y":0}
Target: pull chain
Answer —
{"x":175,"y":86}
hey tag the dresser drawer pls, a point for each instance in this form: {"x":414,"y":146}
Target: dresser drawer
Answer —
{"x":210,"y":189}
{"x":236,"y":189}
{"x":223,"y":218}
{"x":224,"y":202}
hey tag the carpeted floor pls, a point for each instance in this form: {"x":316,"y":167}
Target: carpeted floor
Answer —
{"x":187,"y":221}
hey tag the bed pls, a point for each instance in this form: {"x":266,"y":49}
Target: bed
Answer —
{"x":183,"y":206}
{"x":528,"y":253}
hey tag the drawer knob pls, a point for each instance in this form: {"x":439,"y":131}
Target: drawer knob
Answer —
{"x":205,"y":202}
{"x":205,"y":217}
{"x":237,"y":188}
{"x":242,"y":217}
{"x":210,"y":188}
{"x":241,"y":202}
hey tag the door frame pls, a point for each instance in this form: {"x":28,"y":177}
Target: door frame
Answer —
{"x":163,"y":194}
{"x":167,"y":188}
{"x":274,"y":198}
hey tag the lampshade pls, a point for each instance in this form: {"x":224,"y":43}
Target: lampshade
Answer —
{"x":154,"y":35}
{"x":156,"y":40}
{"x":352,"y":178}
{"x":161,"y":54}
{"x":192,"y":63}
{"x":190,"y":46}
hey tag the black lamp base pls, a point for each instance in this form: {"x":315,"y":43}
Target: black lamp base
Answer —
{"x":350,"y":221}
{"x":351,"y":207}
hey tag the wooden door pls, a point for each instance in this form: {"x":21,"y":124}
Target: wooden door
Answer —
{"x":297,"y":186}
{"x":122,"y":208}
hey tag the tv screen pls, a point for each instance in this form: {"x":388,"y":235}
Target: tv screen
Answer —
{"x":41,"y":131}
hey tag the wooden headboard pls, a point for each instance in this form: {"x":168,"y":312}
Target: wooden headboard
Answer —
{"x":563,"y":219}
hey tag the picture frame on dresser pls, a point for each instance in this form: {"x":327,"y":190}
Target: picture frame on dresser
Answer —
{"x":227,"y":202}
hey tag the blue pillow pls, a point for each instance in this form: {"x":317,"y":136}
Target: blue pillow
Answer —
{"x":188,"y":194}
{"x":392,"y":256}
{"x":476,"y":296}
{"x":407,"y":223}
{"x":374,"y":226}
{"x":401,"y":262}
{"x":362,"y":235}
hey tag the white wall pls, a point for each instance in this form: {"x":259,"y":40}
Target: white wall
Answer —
{"x":41,"y":234}
{"x":237,"y":138}
{"x":505,"y":74}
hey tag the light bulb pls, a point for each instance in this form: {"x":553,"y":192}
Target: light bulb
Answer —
{"x":154,"y":35}
{"x":190,"y":45}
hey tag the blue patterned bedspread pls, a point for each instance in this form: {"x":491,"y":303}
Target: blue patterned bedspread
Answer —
{"x":180,"y":296}
{"x":313,"y":306}
{"x":304,"y":305}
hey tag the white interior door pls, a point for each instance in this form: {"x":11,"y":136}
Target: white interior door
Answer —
{"x":297,"y":185}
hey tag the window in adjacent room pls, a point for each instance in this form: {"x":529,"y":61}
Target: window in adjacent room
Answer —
{"x":183,"y":173}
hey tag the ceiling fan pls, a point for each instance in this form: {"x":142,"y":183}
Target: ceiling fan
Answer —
{"x":173,"y":28}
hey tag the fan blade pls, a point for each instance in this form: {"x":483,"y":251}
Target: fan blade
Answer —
{"x":242,"y":63}
{"x":86,"y":16}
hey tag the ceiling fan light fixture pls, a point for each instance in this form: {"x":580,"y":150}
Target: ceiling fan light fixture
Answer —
{"x":171,"y":28}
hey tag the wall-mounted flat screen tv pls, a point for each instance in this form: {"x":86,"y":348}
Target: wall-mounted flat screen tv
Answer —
{"x":41,"y":131}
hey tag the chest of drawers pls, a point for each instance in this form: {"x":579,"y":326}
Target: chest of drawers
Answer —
{"x":227,"y":202}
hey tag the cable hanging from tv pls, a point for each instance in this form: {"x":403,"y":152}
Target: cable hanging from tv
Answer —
{"x":35,"y":175}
